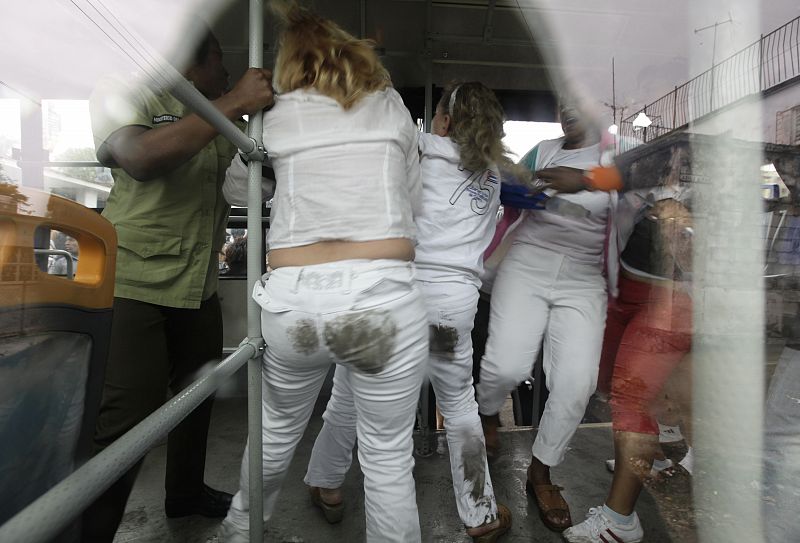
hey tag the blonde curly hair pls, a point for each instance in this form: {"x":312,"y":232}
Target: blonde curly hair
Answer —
{"x":316,"y":53}
{"x":476,"y":126}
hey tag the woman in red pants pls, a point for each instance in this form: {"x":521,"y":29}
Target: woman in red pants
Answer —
{"x":648,"y":333}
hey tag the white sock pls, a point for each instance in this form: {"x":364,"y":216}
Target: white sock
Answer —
{"x":661,"y":465}
{"x":688,"y":461}
{"x":617,"y":518}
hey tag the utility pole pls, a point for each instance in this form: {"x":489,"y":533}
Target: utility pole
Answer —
{"x":714,"y":51}
{"x":613,"y":92}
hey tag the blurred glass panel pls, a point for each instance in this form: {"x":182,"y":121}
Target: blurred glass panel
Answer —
{"x":42,"y":391}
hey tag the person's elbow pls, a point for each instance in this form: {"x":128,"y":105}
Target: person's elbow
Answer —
{"x":234,"y":194}
{"x":141,"y":172}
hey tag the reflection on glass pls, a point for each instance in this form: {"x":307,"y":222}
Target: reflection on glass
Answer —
{"x":56,"y":252}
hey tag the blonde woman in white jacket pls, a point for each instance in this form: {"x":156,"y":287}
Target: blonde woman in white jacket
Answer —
{"x":460,"y":163}
{"x":341,"y":287}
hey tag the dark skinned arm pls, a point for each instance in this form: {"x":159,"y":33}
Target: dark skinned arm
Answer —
{"x":147,"y":154}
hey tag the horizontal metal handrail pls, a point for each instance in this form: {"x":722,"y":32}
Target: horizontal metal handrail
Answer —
{"x":59,"y":252}
{"x":52,"y":512}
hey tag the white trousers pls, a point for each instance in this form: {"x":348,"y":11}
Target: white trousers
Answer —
{"x":451,"y":312}
{"x":543,"y":295}
{"x":368,"y":317}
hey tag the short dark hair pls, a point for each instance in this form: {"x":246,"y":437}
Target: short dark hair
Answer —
{"x":201,"y":52}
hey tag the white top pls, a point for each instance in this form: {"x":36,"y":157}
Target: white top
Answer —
{"x":341,"y":175}
{"x":580,"y":238}
{"x":458,"y":216}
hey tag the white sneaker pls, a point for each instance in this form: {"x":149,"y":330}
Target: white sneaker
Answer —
{"x":611,"y":464}
{"x":669,"y":434}
{"x":688,"y":461}
{"x":598,"y":528}
{"x":228,"y":533}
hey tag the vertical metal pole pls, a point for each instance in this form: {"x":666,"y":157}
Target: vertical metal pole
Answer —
{"x":761,"y":63}
{"x":713,"y":60}
{"x":32,"y":152}
{"x":675,"y":108}
{"x":254,"y":267}
{"x":728,"y":341}
{"x":614,"y":93}
{"x":428,"y":70}
{"x":362,"y":15}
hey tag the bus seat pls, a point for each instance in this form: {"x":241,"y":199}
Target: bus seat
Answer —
{"x":54,"y":335}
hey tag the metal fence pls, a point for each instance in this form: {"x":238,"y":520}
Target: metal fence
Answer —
{"x":765,"y":64}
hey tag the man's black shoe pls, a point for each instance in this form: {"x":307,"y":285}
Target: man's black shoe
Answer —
{"x":208,"y":503}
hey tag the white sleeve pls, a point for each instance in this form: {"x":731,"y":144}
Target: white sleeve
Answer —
{"x":234,"y":189}
{"x":414,"y":175}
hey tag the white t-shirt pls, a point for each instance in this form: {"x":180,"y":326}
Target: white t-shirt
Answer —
{"x":458,"y":215}
{"x":580,"y":238}
{"x":341,"y":175}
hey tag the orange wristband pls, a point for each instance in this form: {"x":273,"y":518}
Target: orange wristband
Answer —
{"x":605,"y":178}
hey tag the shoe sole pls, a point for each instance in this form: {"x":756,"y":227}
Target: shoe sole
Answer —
{"x":491,"y":537}
{"x":582,"y":539}
{"x":332,"y":513}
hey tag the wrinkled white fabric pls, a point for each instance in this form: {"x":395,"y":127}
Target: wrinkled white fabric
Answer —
{"x":341,"y":174}
{"x":368,"y":317}
{"x":543,"y":296}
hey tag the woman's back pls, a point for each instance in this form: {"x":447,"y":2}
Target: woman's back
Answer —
{"x":342,"y":174}
{"x":458,"y":212}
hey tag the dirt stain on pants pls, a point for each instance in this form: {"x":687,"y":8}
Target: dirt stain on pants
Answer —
{"x":443,"y":340}
{"x":364,"y":340}
{"x":303,"y":336}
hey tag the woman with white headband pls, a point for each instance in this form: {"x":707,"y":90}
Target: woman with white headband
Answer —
{"x":461,"y":163}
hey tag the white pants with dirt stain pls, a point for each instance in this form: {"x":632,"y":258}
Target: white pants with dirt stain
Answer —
{"x":451,"y":312}
{"x":368,"y":317}
{"x":544,"y":295}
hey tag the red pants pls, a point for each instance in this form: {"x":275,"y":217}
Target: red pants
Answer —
{"x":648,"y":332}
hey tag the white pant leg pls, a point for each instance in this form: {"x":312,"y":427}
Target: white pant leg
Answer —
{"x":332,"y":454}
{"x":572,"y":348}
{"x":289,"y":392}
{"x":451,"y":314}
{"x":386,"y":406}
{"x":520,"y":310}
{"x":369,"y":317}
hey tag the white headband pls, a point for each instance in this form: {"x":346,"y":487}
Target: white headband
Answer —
{"x":452,"y":100}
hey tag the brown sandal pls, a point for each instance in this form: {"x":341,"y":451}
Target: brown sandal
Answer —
{"x":333,"y":512}
{"x":504,"y":516}
{"x":549,"y":499}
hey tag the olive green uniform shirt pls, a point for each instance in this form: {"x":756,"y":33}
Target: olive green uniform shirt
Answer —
{"x":171,"y":229}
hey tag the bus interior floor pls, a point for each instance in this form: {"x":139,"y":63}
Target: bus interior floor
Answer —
{"x":665,"y":506}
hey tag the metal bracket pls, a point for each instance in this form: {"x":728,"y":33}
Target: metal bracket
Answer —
{"x":259,"y":154}
{"x":258,"y":345}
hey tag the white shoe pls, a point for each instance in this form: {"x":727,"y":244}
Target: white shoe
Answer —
{"x":598,"y":528}
{"x":669,"y":434}
{"x":611,"y":464}
{"x":688,"y":461}
{"x":228,"y":533}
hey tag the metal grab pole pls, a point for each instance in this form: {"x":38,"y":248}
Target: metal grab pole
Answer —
{"x":254,"y":267}
{"x":46,"y":517}
{"x":191,"y":97}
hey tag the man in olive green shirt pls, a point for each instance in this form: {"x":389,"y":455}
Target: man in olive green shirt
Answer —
{"x":167,"y":207}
